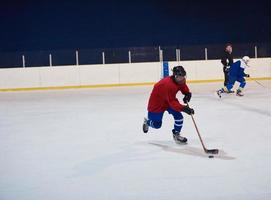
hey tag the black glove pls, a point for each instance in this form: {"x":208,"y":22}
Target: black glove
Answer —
{"x":187,"y":110}
{"x":247,"y":75}
{"x":187,"y":97}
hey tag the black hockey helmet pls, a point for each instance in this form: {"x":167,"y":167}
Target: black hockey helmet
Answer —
{"x":179,"y":71}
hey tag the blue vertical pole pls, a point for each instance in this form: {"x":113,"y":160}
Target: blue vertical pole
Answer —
{"x":165,"y":69}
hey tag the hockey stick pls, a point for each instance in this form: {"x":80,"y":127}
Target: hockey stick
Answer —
{"x":211,"y":151}
{"x":259,"y":83}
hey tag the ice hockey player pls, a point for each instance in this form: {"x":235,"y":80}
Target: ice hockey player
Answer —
{"x":227,"y":60}
{"x":163,"y":98}
{"x":236,"y":73}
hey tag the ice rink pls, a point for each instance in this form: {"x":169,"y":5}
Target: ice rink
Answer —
{"x":88,"y":144}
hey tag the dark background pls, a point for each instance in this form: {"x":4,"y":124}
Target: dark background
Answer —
{"x":94,"y":26}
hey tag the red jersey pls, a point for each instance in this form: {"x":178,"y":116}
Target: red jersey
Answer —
{"x":163,"y":95}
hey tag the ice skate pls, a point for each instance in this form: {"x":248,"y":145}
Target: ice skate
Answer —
{"x":230,"y":91}
{"x":145,"y":126}
{"x":178,"y":138}
{"x":239,"y":93}
{"x":218,"y":92}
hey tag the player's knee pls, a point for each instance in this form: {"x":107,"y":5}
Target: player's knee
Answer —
{"x":156,"y":124}
{"x":243,"y":84}
{"x":178,"y":116}
{"x":228,"y":87}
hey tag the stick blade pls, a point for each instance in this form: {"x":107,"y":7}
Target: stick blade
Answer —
{"x":212,"y":151}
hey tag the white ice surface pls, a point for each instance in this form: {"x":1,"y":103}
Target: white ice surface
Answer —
{"x":88,"y":144}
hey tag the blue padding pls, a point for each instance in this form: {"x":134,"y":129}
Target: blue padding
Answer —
{"x":165,"y":69}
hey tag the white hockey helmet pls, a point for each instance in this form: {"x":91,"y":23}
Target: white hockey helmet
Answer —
{"x":246,"y":59}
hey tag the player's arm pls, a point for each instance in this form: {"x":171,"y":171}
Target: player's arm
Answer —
{"x":175,"y":104}
{"x":187,"y":94}
{"x":225,"y":60}
{"x":244,"y":74}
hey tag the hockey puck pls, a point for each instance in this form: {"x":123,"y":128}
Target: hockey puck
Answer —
{"x":211,"y":156}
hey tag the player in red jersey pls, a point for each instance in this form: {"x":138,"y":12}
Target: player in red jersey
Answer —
{"x":163,"y":98}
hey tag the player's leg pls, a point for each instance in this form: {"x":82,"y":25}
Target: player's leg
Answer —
{"x":154,"y":120}
{"x":239,"y":91}
{"x":178,"y":124}
{"x":226,"y":77}
{"x":228,"y":87}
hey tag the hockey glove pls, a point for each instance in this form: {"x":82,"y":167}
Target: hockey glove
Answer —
{"x":187,"y":110}
{"x":187,"y":97}
{"x":247,"y":75}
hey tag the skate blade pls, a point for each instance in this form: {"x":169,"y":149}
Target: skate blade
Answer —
{"x":181,"y":143}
